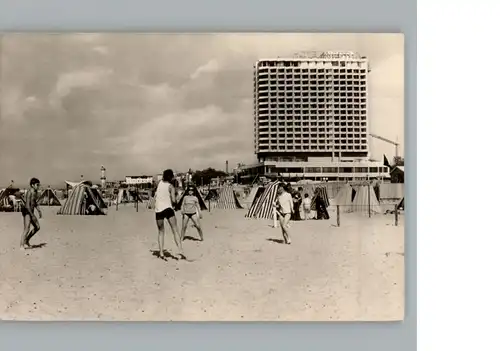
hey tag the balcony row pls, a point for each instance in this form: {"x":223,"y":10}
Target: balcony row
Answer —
{"x":301,"y":119}
{"x":304,"y":94}
{"x":304,"y":99}
{"x":332,"y":70}
{"x":348,"y":133}
{"x":308,"y":83}
{"x":315,"y":140}
{"x":329,"y":131}
{"x":334,"y":105}
{"x":311,"y":87}
{"x":296,"y":113}
{"x":323,"y":148}
{"x":311,"y":75}
{"x":307,"y":90}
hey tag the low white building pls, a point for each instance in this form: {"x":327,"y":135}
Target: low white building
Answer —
{"x":316,"y":170}
{"x":143,"y":181}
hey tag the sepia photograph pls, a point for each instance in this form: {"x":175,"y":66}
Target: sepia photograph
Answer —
{"x":202,"y":177}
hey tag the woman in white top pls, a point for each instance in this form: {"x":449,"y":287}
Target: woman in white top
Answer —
{"x":165,"y":200}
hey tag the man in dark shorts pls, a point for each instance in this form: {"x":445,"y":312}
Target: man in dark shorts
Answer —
{"x":29,"y":204}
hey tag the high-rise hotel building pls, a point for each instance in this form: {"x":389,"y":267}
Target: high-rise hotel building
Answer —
{"x":311,"y":117}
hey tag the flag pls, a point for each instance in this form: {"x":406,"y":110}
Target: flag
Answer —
{"x":386,"y":162}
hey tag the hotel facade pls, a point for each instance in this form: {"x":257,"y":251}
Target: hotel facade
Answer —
{"x":311,"y":118}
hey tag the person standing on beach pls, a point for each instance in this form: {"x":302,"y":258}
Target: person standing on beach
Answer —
{"x":297,"y":202}
{"x":165,"y":200}
{"x":284,"y":209}
{"x":321,"y":210}
{"x":307,"y":207}
{"x":191,"y":210}
{"x":28,"y":206}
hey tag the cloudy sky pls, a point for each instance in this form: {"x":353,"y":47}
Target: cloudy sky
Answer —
{"x":140,"y":103}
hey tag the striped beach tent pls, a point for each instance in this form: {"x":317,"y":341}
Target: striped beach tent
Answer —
{"x":262,"y":207}
{"x":401,"y":205}
{"x":254,"y":194}
{"x":365,"y":199}
{"x":203,"y":206}
{"x":48,"y":198}
{"x":227,"y":199}
{"x":213,"y":194}
{"x":5,"y":199}
{"x":98,"y":197}
{"x":82,"y":195}
{"x":344,"y":198}
{"x":257,"y":195}
{"x":323,"y":194}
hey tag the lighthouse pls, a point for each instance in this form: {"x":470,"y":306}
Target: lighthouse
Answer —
{"x":103,"y":177}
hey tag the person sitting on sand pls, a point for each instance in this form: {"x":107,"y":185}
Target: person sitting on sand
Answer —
{"x":165,"y":200}
{"x":284,"y":209}
{"x":12,"y":200}
{"x":307,"y":206}
{"x":191,"y":210}
{"x":28,"y":206}
{"x":92,"y":209}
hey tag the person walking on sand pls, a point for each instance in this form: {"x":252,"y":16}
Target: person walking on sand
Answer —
{"x":191,"y":210}
{"x":284,"y":209}
{"x":28,"y":206}
{"x":165,"y":200}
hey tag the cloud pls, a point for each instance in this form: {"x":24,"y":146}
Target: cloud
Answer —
{"x":85,"y":78}
{"x":211,"y":66}
{"x":195,"y":138}
{"x":103,"y":50}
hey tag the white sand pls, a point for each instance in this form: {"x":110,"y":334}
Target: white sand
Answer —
{"x":102,"y":268}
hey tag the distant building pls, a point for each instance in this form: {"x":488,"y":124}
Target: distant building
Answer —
{"x":313,"y":104}
{"x":315,"y":170}
{"x":143,"y":181}
{"x":311,"y":118}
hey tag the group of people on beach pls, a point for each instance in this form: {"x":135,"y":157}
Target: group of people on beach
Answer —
{"x":288,"y":206}
{"x":167,"y":200}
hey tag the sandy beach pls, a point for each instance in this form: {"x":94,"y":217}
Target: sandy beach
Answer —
{"x":104,"y":268}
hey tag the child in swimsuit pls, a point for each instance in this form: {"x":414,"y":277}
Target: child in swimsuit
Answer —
{"x":191,"y":211}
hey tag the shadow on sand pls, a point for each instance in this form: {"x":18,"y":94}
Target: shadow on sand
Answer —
{"x":37,"y":246}
{"x":277,"y":241}
{"x":167,"y":254}
{"x":187,"y":237}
